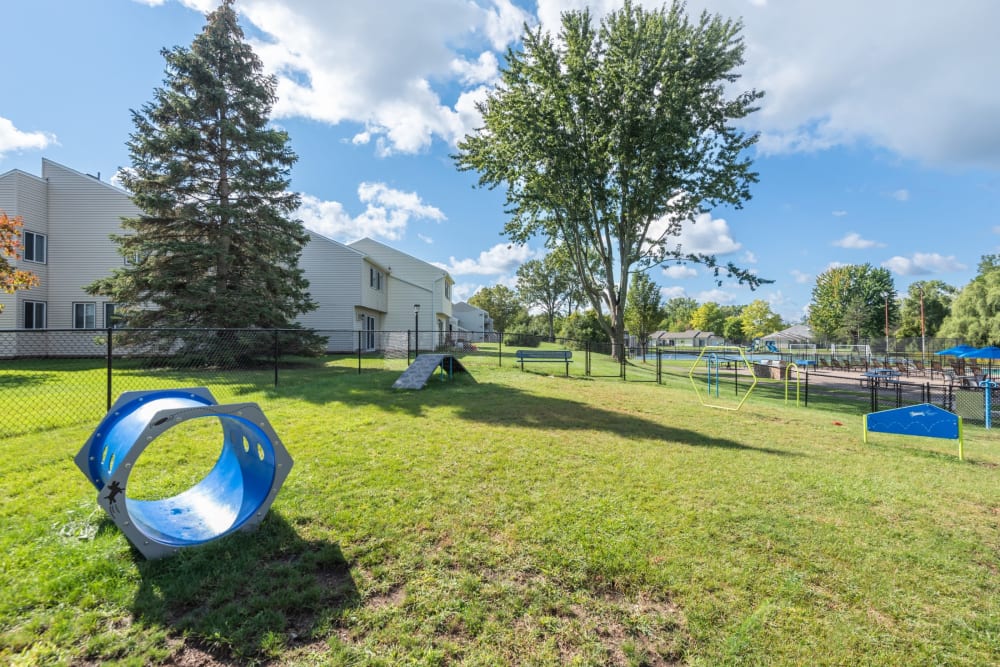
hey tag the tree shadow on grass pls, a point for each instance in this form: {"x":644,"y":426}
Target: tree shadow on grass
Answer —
{"x":502,"y":405}
{"x":249,"y":595}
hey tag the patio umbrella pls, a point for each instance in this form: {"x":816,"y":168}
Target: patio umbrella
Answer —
{"x":991,"y":352}
{"x":956,"y":351}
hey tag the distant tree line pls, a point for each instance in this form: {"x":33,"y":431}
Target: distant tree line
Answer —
{"x":849,"y":304}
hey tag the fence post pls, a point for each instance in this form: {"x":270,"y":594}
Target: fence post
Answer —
{"x":110,"y":348}
{"x":807,"y":387}
{"x":275,"y":357}
{"x":586,"y":348}
{"x":408,"y":346}
{"x":359,"y":352}
{"x":500,"y":349}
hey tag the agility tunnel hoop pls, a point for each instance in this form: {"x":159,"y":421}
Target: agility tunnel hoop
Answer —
{"x":234,"y":495}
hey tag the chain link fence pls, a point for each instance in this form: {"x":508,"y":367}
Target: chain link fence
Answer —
{"x":53,"y":378}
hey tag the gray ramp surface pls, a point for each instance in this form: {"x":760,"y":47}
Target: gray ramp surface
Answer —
{"x":423,"y":367}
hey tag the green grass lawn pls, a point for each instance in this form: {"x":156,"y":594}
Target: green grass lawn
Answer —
{"x":523,"y":518}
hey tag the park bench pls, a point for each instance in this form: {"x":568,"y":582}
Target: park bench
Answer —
{"x":531,"y":356}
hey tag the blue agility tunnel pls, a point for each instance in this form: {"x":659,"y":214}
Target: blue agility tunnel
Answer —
{"x":234,"y":495}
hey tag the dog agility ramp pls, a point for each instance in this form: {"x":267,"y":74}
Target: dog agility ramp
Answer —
{"x":423,"y":367}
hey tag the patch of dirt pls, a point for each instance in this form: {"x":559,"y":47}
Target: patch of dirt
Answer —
{"x":187,"y":654}
{"x":393,"y":598}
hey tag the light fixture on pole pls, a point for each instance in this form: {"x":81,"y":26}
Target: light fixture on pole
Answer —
{"x":886,"y":296}
{"x":923,"y":329}
{"x":416,"y":329}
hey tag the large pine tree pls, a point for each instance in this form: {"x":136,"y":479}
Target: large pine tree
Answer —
{"x":216,"y":244}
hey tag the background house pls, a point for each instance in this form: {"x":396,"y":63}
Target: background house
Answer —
{"x":362,"y":289}
{"x":68,"y":218}
{"x":689,"y":338}
{"x":419,"y":295}
{"x":798,"y":334}
{"x":472,"y":323}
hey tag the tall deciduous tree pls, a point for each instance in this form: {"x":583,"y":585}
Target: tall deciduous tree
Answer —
{"x":849,"y":303}
{"x":709,"y":316}
{"x":12,"y":279}
{"x":759,"y":320}
{"x":677,"y":313}
{"x":216,"y":244}
{"x":937,"y":299}
{"x":642,"y":308}
{"x":975,"y":312}
{"x":609,"y":138}
{"x":544,"y":283}
{"x":502,"y":303}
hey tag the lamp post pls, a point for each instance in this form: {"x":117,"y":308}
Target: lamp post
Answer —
{"x":923,"y":330}
{"x":416,"y":330}
{"x":886,"y":296}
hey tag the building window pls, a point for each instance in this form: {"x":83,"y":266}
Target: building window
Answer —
{"x":34,"y":247}
{"x":447,"y":291}
{"x":374,"y":278}
{"x":110,"y":319}
{"x":84,"y":316}
{"x":34,"y":314}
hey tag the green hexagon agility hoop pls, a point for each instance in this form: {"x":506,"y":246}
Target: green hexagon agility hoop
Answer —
{"x":713,"y":362}
{"x":234,"y":495}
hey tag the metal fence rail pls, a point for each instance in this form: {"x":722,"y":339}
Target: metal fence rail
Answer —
{"x":54,"y":378}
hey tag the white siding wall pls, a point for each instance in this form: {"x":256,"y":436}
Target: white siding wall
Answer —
{"x":402,"y":296}
{"x":24,"y":195}
{"x":333,"y":270}
{"x":83,"y":213}
{"x":374,"y":297}
{"x":418,"y":281}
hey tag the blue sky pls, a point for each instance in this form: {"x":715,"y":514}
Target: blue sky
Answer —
{"x":880,"y":139}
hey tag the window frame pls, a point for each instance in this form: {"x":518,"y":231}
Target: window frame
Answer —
{"x":109,"y":315}
{"x":35,"y":236}
{"x":34,"y":305}
{"x":93,"y":314}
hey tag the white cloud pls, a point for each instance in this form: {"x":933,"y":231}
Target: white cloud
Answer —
{"x":426,"y":239}
{"x":387,"y":214}
{"x":703,"y":235}
{"x":900,"y":195}
{"x":839,"y":214}
{"x":854,"y":241}
{"x":835,"y":74}
{"x":203,"y":6}
{"x":387,"y":65}
{"x":749,"y":257}
{"x":719,"y":296}
{"x":483,"y":70}
{"x":996,"y":229}
{"x":13,"y":139}
{"x":923,"y":264}
{"x":800,"y":277}
{"x":672,"y":293}
{"x":463,"y":291}
{"x":679,"y":271}
{"x":500,"y":259}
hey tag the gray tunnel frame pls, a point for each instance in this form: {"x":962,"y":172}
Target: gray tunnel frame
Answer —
{"x":235,"y":495}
